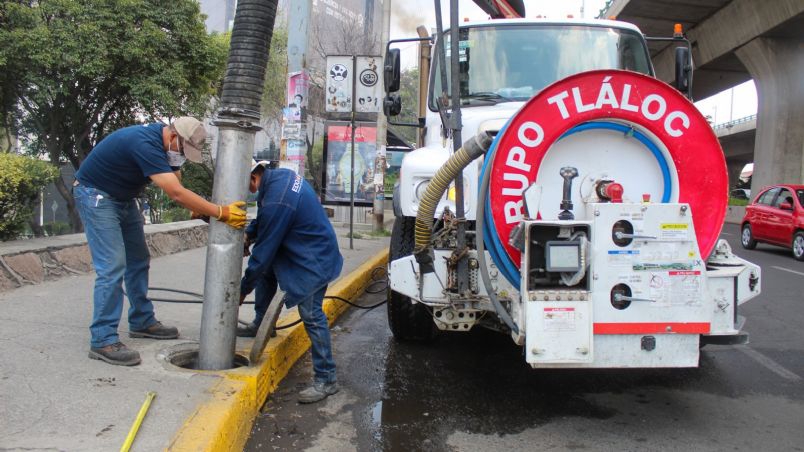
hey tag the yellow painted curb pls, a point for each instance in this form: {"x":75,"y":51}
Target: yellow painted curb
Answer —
{"x":223,"y":423}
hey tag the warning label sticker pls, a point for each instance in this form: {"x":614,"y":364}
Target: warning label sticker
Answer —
{"x":559,"y":319}
{"x":621,"y":258}
{"x":676,"y":288}
{"x":674,"y":231}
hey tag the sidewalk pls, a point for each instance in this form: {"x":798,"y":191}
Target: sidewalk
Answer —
{"x":53,"y":397}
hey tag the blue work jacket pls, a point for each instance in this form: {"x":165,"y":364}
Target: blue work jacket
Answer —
{"x":293,"y":237}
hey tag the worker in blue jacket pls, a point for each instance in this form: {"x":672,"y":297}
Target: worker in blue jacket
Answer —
{"x":296,"y":247}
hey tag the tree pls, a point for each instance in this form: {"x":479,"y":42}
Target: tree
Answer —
{"x":83,"y":68}
{"x":409,"y":93}
{"x":274,"y":91}
{"x":21,"y":180}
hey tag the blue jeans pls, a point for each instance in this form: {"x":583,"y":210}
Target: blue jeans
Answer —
{"x":116,"y":241}
{"x":315,"y":324}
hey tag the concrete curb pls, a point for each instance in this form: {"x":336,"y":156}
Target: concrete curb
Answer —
{"x":30,"y":262}
{"x":223,"y":423}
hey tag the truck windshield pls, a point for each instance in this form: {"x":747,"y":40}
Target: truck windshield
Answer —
{"x":507,"y":63}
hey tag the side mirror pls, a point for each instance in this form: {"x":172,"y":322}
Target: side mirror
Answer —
{"x":786,"y":206}
{"x":392,"y":105}
{"x":683,"y":70}
{"x":391,"y":70}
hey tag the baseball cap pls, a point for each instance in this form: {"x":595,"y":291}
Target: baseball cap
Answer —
{"x":255,"y":164}
{"x":193,"y":134}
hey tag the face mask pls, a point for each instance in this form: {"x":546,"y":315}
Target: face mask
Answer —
{"x":175,"y":159}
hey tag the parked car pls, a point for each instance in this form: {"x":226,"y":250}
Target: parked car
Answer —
{"x":776,"y":216}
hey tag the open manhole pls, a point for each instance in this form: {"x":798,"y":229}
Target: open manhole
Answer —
{"x":185,"y":356}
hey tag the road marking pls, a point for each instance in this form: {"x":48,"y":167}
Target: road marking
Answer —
{"x":787,"y":270}
{"x":726,"y":233}
{"x":769,"y":364}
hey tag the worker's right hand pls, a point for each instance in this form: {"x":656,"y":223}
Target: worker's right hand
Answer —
{"x":246,"y":250}
{"x":233,"y":214}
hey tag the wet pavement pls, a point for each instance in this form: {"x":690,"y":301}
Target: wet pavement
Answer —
{"x":473,"y":391}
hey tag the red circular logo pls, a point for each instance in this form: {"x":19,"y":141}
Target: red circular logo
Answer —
{"x":619,"y":96}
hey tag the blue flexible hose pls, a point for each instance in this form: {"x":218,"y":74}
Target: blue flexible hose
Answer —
{"x":495,"y":247}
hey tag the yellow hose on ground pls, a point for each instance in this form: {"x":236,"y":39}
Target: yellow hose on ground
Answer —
{"x":137,"y":422}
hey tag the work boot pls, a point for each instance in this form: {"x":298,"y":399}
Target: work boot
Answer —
{"x":156,"y":331}
{"x":117,"y":354}
{"x":249,"y":330}
{"x":318,"y":391}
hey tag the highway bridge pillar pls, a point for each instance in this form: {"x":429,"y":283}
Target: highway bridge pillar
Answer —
{"x":735,"y":165}
{"x":777,"y":67}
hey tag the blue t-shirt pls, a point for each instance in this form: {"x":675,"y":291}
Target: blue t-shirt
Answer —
{"x":122,"y":162}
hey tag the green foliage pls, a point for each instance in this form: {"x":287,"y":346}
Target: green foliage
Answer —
{"x":274,"y":92}
{"x":738,"y":202}
{"x":409,"y":92}
{"x":21,"y":180}
{"x":197,"y":178}
{"x":72,"y":71}
{"x":158,"y":203}
{"x":175,"y":214}
{"x":57,"y":228}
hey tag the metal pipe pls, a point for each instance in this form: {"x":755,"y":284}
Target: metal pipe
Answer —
{"x":382,"y":133}
{"x":238,"y":121}
{"x":462,"y":271}
{"x":225,"y":248}
{"x":352,"y":160}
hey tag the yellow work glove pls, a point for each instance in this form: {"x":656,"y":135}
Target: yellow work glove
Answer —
{"x":233,"y":214}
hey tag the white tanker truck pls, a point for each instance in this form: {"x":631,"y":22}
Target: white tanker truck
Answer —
{"x":594,"y":195}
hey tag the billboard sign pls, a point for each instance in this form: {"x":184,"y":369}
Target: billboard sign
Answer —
{"x":337,"y":155}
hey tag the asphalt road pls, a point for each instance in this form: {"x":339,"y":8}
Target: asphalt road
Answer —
{"x":473,"y":391}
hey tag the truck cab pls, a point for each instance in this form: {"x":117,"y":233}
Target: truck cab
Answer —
{"x":504,"y":63}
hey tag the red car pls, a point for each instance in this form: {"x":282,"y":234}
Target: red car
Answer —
{"x":776,"y":216}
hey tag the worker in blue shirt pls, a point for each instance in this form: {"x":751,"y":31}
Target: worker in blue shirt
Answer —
{"x":296,"y":247}
{"x":107,"y":184}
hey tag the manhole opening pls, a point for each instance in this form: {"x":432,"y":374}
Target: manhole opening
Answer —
{"x":188,"y":359}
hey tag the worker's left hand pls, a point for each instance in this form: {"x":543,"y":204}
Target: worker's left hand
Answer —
{"x":242,"y":298}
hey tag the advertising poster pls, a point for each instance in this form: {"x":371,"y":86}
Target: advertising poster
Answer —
{"x":368,"y":89}
{"x":295,"y":152}
{"x":337,"y":155}
{"x":338,"y":87}
{"x":298,"y":84}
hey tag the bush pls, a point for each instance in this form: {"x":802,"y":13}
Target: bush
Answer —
{"x":738,"y":202}
{"x":175,"y":214}
{"x":57,"y":228}
{"x":21,"y":180}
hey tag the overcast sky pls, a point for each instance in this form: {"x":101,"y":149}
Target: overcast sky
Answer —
{"x":408,"y":14}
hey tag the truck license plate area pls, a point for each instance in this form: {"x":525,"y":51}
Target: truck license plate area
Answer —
{"x":558,"y":331}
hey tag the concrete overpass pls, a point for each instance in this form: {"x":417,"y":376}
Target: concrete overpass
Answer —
{"x":734,"y":41}
{"x":737,"y":139}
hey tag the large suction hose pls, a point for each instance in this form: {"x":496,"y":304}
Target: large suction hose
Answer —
{"x":481,"y":253}
{"x":472,"y":149}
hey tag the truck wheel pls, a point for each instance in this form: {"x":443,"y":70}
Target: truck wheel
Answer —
{"x":408,"y":321}
{"x":747,"y":238}
{"x":798,"y":246}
